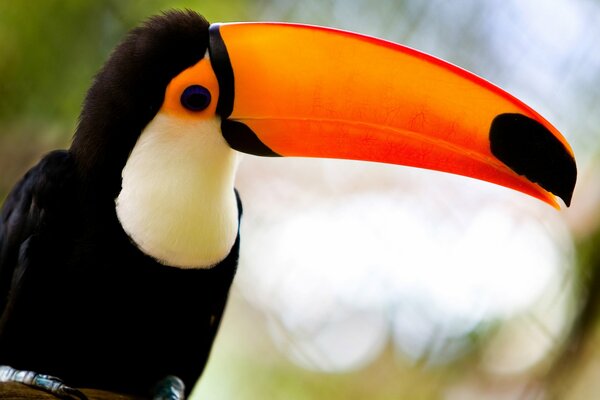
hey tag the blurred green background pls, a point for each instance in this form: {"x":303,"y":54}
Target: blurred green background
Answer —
{"x":367,"y":281}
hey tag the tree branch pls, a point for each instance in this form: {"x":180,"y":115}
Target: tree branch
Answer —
{"x":19,"y":391}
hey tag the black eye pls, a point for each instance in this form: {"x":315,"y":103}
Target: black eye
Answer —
{"x":195,"y":98}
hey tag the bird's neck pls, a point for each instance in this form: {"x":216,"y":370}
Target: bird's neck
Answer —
{"x":177,"y":201}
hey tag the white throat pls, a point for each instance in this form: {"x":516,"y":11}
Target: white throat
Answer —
{"x":177,"y":201}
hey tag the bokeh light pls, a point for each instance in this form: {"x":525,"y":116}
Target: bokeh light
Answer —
{"x":427,"y":273}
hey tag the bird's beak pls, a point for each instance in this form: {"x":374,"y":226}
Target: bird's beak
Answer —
{"x":296,"y":90}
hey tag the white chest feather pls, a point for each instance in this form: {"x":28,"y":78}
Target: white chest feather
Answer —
{"x":177,"y":201}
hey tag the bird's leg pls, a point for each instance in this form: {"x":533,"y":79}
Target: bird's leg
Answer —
{"x":47,"y":383}
{"x":169,"y":388}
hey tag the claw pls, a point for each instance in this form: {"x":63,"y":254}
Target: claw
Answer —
{"x":47,"y":383}
{"x":170,"y":388}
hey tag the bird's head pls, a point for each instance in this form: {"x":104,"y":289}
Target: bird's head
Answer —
{"x":177,"y":100}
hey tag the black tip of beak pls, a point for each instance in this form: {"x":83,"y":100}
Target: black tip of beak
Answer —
{"x":530,"y":149}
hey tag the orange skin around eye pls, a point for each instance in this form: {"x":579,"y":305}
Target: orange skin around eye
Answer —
{"x":199,"y":74}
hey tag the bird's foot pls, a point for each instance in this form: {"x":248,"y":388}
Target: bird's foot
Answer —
{"x":170,"y":388}
{"x":43,"y":382}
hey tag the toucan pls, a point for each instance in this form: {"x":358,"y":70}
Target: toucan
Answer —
{"x":117,"y":254}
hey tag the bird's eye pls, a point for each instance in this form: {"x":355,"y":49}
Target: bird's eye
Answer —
{"x":195,"y":98}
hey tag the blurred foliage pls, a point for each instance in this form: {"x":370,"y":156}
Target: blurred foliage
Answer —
{"x":578,"y":352}
{"x":244,"y":365}
{"x":52,"y":48}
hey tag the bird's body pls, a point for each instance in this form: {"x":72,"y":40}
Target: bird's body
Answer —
{"x":117,"y":255}
{"x":79,"y":299}
{"x":86,"y":304}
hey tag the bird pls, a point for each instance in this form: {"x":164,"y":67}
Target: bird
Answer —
{"x":117,"y":254}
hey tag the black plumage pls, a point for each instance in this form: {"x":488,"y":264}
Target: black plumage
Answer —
{"x":78,"y":299}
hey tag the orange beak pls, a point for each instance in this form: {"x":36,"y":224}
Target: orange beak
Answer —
{"x":296,"y":90}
